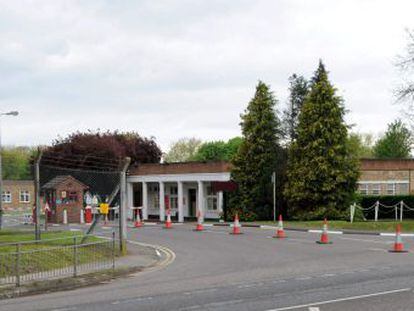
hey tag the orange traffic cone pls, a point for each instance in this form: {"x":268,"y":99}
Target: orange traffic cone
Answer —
{"x":398,"y":245}
{"x":324,"y":236}
{"x":138,"y":223}
{"x":199,"y":226}
{"x":280,"y":233}
{"x":236,"y":225}
{"x":168,"y":223}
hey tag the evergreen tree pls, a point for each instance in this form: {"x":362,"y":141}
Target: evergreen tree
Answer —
{"x":322,"y":173}
{"x":256,"y":158}
{"x":396,"y":143}
{"x":298,"y":89}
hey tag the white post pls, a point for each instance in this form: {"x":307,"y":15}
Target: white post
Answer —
{"x":376,"y":210}
{"x":162,"y":201}
{"x":352,"y":212}
{"x":65,"y":217}
{"x":82,"y":217}
{"x":396,"y":212}
{"x":200,"y":199}
{"x":401,"y":210}
{"x":180,"y":201}
{"x":144,"y":200}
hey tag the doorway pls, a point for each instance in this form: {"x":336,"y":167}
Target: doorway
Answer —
{"x":192,"y":202}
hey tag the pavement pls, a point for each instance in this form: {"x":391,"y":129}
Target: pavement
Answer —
{"x":214,"y":270}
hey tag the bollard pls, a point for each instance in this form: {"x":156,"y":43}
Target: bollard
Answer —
{"x":65,"y":217}
{"x":82,"y":217}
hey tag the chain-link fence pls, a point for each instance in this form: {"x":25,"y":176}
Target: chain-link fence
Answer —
{"x":30,"y":261}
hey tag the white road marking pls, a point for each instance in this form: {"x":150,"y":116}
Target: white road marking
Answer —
{"x":303,"y":278}
{"x":377,"y":249}
{"x":328,"y":275}
{"x":314,"y":309}
{"x":342,"y":299}
{"x":158,"y":253}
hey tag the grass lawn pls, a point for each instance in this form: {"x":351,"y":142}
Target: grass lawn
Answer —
{"x":381,"y":226}
{"x":54,"y":251}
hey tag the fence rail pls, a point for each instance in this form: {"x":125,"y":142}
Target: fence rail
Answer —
{"x":48,"y":261}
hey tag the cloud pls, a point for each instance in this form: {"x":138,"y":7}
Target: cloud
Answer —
{"x":187,"y":68}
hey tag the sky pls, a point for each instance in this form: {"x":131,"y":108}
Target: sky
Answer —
{"x":188,"y":68}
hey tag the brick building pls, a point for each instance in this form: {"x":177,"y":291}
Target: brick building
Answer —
{"x":18,"y":195}
{"x":64,"y":192}
{"x":183,"y":188}
{"x":386,"y":177}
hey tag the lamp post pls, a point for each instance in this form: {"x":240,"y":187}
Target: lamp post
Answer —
{"x":14,"y":114}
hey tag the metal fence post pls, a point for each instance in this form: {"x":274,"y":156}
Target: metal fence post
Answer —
{"x":113,"y":250}
{"x":75,"y":258}
{"x":17,"y":264}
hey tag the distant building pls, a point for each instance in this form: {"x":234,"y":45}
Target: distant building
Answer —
{"x":18,"y":195}
{"x":386,"y":177}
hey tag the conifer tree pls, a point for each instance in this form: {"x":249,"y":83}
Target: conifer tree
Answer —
{"x":298,"y":89}
{"x":256,"y":158}
{"x":322,"y":173}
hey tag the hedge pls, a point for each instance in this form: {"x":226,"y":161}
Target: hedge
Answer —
{"x":387,"y":213}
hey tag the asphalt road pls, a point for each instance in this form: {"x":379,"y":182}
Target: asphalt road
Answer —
{"x":214,"y":270}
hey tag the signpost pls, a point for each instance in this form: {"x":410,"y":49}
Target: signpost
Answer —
{"x":274,"y":195}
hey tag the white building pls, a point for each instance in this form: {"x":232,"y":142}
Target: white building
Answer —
{"x":184,"y":188}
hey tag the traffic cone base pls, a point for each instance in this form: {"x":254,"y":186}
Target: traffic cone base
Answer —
{"x":138,"y":224}
{"x":280,"y":234}
{"x":236,"y":227}
{"x":199,"y":228}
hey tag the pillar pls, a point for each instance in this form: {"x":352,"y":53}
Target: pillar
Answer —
{"x":180,"y":202}
{"x":144,"y":200}
{"x":220,"y":202}
{"x":200,"y":199}
{"x":130,"y":200}
{"x":162,"y":201}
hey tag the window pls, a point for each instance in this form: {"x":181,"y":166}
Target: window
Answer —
{"x":7,"y":197}
{"x":211,"y":198}
{"x":363,"y":189}
{"x":173,"y":197}
{"x":403,"y":188}
{"x":376,"y":189}
{"x":24,"y":196}
{"x":391,"y":189}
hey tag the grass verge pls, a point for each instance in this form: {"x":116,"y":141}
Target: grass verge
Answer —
{"x":380,"y":226}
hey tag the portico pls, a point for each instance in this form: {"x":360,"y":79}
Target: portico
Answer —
{"x":186,"y":189}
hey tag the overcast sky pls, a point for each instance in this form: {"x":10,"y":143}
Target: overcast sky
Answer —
{"x":171,"y":69}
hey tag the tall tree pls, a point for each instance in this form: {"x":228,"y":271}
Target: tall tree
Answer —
{"x":396,"y":143}
{"x":360,"y":145}
{"x":16,"y":162}
{"x":97,"y":149}
{"x":257,"y":156}
{"x":405,"y":91}
{"x":298,"y":89}
{"x":322,"y":173}
{"x":218,"y":150}
{"x":183,"y":150}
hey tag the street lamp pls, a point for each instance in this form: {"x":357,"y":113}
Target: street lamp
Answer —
{"x":13,"y":114}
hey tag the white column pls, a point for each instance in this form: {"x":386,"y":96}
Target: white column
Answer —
{"x":144,"y":200}
{"x":200,"y":199}
{"x":220,"y":202}
{"x":180,"y":202}
{"x":162,"y":201}
{"x":130,"y":200}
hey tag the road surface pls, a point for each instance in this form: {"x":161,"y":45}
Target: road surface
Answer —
{"x":214,"y":270}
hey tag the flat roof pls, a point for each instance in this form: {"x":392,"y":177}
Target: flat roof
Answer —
{"x":179,"y":168}
{"x":387,"y":164}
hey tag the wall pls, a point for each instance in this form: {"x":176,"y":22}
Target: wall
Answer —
{"x":15,"y":186}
